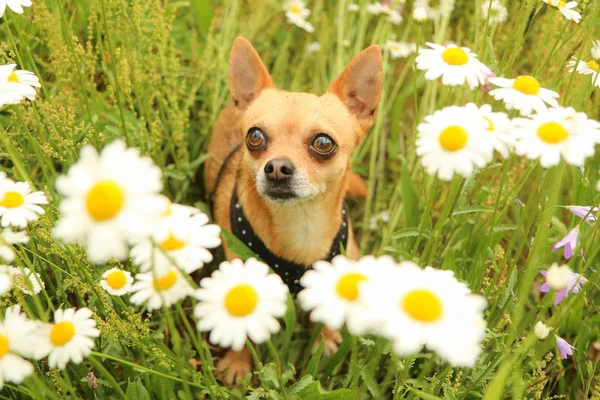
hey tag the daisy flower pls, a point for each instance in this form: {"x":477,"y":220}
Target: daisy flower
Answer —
{"x":400,"y":49}
{"x":494,"y":10}
{"x":182,"y":237}
{"x":523,"y":93}
{"x":16,"y":85}
{"x":428,"y":307}
{"x":394,"y":17}
{"x":296,"y":9}
{"x":302,"y":23}
{"x":564,"y":348}
{"x":595,"y":49}
{"x":15,"y":5}
{"x":116,"y":281}
{"x":566,"y":281}
{"x":582,"y":67}
{"x":332,"y":291}
{"x":165,"y":289}
{"x":7,"y":239}
{"x":378,"y":8}
{"x":566,"y":9}
{"x":555,"y":133}
{"x":419,"y":15}
{"x":16,"y":335}
{"x":454,"y":140}
{"x":69,"y":338}
{"x":240,"y":300}
{"x":444,"y":8}
{"x":499,"y":126}
{"x":19,"y":205}
{"x":27,"y":281}
{"x":456,"y":65}
{"x":5,"y":279}
{"x":313,"y":47}
{"x":111,"y":199}
{"x":353,"y":7}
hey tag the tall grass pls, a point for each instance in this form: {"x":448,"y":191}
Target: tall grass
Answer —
{"x":154,"y":73}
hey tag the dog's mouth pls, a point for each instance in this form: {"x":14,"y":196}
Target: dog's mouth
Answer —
{"x":280,"y":194}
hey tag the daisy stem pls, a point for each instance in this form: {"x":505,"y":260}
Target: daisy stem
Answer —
{"x":258,"y":364}
{"x":148,"y":370}
{"x":107,"y":375}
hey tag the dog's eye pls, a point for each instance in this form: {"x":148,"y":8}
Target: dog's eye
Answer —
{"x":255,"y":138}
{"x":323,"y":144}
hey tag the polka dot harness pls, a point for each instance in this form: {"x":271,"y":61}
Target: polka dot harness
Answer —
{"x":289,"y":272}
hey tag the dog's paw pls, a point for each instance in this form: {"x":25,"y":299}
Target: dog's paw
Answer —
{"x":332,"y":339}
{"x":235,"y":365}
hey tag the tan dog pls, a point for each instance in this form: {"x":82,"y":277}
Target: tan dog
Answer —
{"x":284,"y":159}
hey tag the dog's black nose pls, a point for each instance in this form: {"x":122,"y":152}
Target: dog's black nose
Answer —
{"x":279,"y":169}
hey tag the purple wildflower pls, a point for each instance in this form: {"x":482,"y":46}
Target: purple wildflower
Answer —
{"x":576,"y":281}
{"x":587,"y":212}
{"x":569,"y":242}
{"x":564,"y":348}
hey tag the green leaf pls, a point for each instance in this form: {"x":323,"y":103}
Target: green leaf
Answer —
{"x":371,"y":383}
{"x":313,"y":364}
{"x":300,"y":385}
{"x":290,"y":324}
{"x":422,"y":395}
{"x":410,"y":198}
{"x":136,"y":391}
{"x":236,"y":245}
{"x":315,"y":392}
{"x":204,"y":15}
{"x":473,"y":210}
{"x":403,"y":233}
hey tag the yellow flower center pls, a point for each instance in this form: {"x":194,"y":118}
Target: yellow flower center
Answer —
{"x":527,"y":84}
{"x":62,"y":333}
{"x":455,"y":56}
{"x":116,"y":279}
{"x":454,"y":138}
{"x":12,"y":200}
{"x":294,"y":9}
{"x":422,"y":305}
{"x":593,"y":65}
{"x":3,"y":345}
{"x":172,"y":243}
{"x":13,"y":78}
{"x":166,"y":281}
{"x":347,"y":286}
{"x":552,"y":132}
{"x":491,"y":126}
{"x":241,"y":300}
{"x":104,"y":200}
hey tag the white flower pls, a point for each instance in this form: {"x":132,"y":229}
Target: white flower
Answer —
{"x":5,"y":279}
{"x":296,"y":9}
{"x":332,"y":290}
{"x":556,"y":133}
{"x":494,"y":10}
{"x":18,"y":204}
{"x":15,"y":5}
{"x":313,"y":47}
{"x":238,"y":301}
{"x":383,"y":216}
{"x":116,"y":281}
{"x":419,"y":14}
{"x":499,"y":126}
{"x":417,"y":307}
{"x":566,"y":9}
{"x":541,"y":330}
{"x":353,"y":7}
{"x":16,"y":335}
{"x":301,"y":23}
{"x":596,"y":49}
{"x":454,"y":140}
{"x":111,"y":199}
{"x":558,"y":277}
{"x":586,"y":68}
{"x":165,"y":289}
{"x":16,"y":85}
{"x":400,"y":49}
{"x":8,"y":238}
{"x":456,"y":65}
{"x":182,"y":238}
{"x":27,"y":281}
{"x":378,"y":8}
{"x":69,"y":338}
{"x":394,"y":17}
{"x":524,"y":94}
{"x":444,"y":8}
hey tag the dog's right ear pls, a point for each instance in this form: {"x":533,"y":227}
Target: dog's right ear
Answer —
{"x":248,"y":76}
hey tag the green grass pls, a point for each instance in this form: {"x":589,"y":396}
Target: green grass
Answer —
{"x":154,"y":74}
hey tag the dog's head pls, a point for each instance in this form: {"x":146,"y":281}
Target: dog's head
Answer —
{"x":298,"y":145}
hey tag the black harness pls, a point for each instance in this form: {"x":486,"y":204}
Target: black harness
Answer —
{"x":289,"y":272}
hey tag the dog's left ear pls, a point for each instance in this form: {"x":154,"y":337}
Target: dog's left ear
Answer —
{"x":359,"y":86}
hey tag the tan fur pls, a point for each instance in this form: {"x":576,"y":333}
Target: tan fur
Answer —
{"x":301,"y":232}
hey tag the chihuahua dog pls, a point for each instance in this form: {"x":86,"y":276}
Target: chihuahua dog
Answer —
{"x":280,"y":167}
